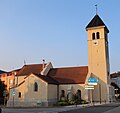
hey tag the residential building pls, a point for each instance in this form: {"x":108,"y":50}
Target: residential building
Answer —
{"x":9,"y":78}
{"x":115,"y":82}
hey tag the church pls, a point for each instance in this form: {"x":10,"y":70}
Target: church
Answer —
{"x":43,"y":85}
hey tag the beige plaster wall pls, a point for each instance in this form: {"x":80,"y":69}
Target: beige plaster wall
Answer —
{"x":97,"y":55}
{"x":98,"y":63}
{"x":42,"y":88}
{"x":52,"y":92}
{"x":28,"y":96}
{"x":74,"y":88}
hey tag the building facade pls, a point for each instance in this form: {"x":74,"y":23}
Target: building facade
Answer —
{"x":115,"y":82}
{"x":98,"y":57}
{"x":43,"y":85}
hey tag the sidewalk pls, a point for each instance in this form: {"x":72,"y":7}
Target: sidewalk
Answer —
{"x":43,"y":110}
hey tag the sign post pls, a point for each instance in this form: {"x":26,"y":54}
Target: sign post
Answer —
{"x":13,"y":94}
{"x":91,"y":83}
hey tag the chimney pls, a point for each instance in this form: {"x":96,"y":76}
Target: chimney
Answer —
{"x":43,"y":64}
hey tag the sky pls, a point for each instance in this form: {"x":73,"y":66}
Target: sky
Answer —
{"x":54,"y":30}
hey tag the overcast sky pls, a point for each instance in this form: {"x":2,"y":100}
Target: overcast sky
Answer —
{"x":54,"y":30}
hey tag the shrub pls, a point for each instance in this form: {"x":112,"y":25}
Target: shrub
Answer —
{"x":72,"y":102}
{"x":62,"y":103}
{"x":84,"y":102}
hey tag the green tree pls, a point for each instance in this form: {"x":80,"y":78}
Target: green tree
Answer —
{"x":2,"y":89}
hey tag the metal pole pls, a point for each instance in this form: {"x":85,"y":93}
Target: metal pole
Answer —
{"x":13,"y":101}
{"x":91,"y":96}
{"x":100,"y":92}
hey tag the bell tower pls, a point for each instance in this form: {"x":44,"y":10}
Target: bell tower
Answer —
{"x":98,"y":58}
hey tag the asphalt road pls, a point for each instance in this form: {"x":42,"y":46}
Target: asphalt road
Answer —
{"x":79,"y":109}
{"x":94,"y":109}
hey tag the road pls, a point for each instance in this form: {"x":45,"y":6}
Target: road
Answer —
{"x":109,"y":108}
{"x":94,"y":109}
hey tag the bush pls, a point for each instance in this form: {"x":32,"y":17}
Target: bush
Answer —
{"x":62,"y":103}
{"x":84,"y":102}
{"x":72,"y":102}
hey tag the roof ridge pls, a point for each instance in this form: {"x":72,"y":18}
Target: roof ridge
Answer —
{"x":69,"y":67}
{"x":33,"y":64}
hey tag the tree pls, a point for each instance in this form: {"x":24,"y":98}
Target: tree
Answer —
{"x":2,"y":89}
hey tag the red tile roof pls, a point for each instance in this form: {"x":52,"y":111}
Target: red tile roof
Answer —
{"x":28,"y":69}
{"x":1,"y":72}
{"x":48,"y":79}
{"x":69,"y":75}
{"x":114,"y":75}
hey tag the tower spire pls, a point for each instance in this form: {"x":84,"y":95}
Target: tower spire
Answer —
{"x":96,"y":9}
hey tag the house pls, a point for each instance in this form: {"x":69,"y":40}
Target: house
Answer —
{"x":115,"y":82}
{"x":115,"y":77}
{"x":44,"y":85}
{"x":9,"y":78}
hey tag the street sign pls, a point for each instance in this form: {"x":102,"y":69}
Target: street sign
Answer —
{"x":92,"y":83}
{"x":89,"y":87}
{"x":13,"y":93}
{"x":93,"y":80}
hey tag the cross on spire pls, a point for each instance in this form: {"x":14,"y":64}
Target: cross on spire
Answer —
{"x":96,"y":9}
{"x":24,"y":62}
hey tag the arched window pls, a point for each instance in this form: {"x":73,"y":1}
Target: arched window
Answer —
{"x":78,"y":95}
{"x":19,"y":94}
{"x":62,"y":95}
{"x":98,"y":35}
{"x":35,"y":86}
{"x":93,"y":36}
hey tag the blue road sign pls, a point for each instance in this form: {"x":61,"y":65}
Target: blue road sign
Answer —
{"x":93,"y":80}
{"x":13,"y":93}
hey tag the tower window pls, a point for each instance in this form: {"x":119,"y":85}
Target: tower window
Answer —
{"x":98,"y":35}
{"x":93,"y":36}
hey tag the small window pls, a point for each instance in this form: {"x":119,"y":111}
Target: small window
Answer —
{"x":35,"y":87}
{"x":19,"y":95}
{"x":10,"y":81}
{"x":98,"y":35}
{"x":93,"y":36}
